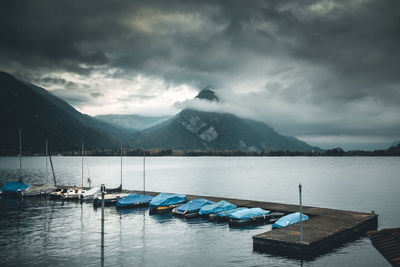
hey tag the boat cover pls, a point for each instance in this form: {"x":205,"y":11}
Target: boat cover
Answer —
{"x":14,"y":187}
{"x":166,"y":199}
{"x":38,"y":189}
{"x":217,"y":207}
{"x":248,"y":213}
{"x":91,"y":192}
{"x":134,"y":199}
{"x":289,"y":219}
{"x":194,"y":205}
{"x":227,"y":212}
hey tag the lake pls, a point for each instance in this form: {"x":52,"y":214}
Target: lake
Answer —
{"x":47,"y":233}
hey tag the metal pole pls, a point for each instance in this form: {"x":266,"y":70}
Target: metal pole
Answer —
{"x":144,"y":172}
{"x":46,"y":160}
{"x":103,"y":190}
{"x":301,"y":215}
{"x":144,"y":166}
{"x":121,"y":165}
{"x":82,"y":166}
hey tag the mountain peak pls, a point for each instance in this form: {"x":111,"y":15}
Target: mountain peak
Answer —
{"x":207,"y":94}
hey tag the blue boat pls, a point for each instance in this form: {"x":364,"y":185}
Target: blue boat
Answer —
{"x":289,"y":220}
{"x":216,"y":208}
{"x":224,"y":215}
{"x":191,"y":208}
{"x":134,"y":200}
{"x":247,"y":216}
{"x":165,"y":202}
{"x":13,"y":189}
{"x":17,"y":188}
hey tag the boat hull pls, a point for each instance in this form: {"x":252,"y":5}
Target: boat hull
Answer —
{"x":163,"y":209}
{"x":133,"y":205}
{"x":266,"y":218}
{"x":193,"y":214}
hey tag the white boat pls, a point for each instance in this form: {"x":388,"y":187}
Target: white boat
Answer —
{"x":74,"y":193}
{"x":112,"y":195}
{"x":90,"y":194}
{"x":44,"y":188}
{"x":109,"y":199}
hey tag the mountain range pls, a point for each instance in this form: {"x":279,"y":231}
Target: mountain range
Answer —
{"x":41,"y":115}
{"x":132,"y":121}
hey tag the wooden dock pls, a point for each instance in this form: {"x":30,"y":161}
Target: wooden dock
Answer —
{"x":387,"y":242}
{"x":323,"y":231}
{"x":326,"y":229}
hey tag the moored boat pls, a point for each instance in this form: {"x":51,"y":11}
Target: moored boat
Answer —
{"x":17,"y":188}
{"x":208,"y":210}
{"x":39,"y":190}
{"x":289,"y":220}
{"x":109,"y":199}
{"x":72,"y":193}
{"x":134,"y":200}
{"x":90,"y":194}
{"x":13,"y":189}
{"x":58,"y":194}
{"x":247,"y":216}
{"x":224,"y":215}
{"x":191,"y":208}
{"x":44,"y":189}
{"x":165,"y":202}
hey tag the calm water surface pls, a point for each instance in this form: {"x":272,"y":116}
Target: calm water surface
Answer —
{"x":48,"y":233}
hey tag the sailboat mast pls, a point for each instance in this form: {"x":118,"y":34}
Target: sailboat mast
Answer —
{"x":20,"y":150}
{"x":121,"y":166}
{"x":46,"y":160}
{"x":144,"y":167}
{"x":82,"y":164}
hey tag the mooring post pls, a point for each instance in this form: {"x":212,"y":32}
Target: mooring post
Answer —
{"x":103,"y":191}
{"x":301,"y":216}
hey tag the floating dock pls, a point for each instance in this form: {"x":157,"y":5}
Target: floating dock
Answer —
{"x":324,"y":230}
{"x":387,"y":242}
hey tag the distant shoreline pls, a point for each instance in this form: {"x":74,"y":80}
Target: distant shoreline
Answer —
{"x":393,"y":151}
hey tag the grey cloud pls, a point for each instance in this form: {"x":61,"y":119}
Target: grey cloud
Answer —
{"x":338,"y":57}
{"x":96,"y":94}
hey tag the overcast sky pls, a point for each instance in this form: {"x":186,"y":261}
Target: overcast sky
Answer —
{"x":327,"y":72}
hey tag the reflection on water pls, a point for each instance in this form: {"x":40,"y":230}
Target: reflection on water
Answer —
{"x":52,"y":233}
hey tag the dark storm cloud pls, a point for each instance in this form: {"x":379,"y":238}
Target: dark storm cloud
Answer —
{"x":334,"y":64}
{"x":96,"y":94}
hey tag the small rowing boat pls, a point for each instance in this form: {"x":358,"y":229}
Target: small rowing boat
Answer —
{"x":208,"y":210}
{"x":134,"y":201}
{"x":191,"y":208}
{"x":165,"y":202}
{"x":247,"y":216}
{"x":289,"y":220}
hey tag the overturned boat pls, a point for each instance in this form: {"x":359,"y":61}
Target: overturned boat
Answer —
{"x":248,"y":216}
{"x":289,"y":220}
{"x":191,"y":208}
{"x":165,"y":202}
{"x":134,"y":201}
{"x":208,"y":210}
